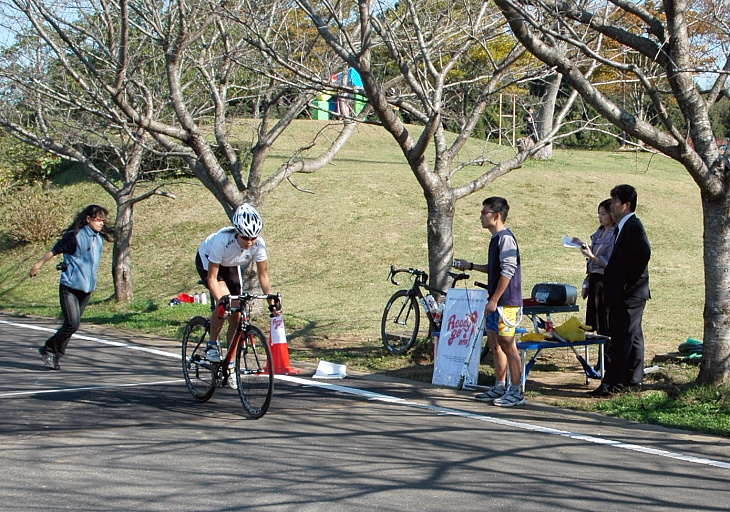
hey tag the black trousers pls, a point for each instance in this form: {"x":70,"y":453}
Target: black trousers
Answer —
{"x":626,"y":355}
{"x":596,"y":311}
{"x":73,"y":304}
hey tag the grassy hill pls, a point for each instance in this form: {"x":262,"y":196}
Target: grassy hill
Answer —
{"x":330,"y":249}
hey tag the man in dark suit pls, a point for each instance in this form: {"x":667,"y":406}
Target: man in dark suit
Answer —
{"x":625,"y":291}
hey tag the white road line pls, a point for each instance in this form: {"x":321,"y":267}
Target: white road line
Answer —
{"x":508,"y":423}
{"x":88,"y":388}
{"x":370,"y":395}
{"x":98,"y":340}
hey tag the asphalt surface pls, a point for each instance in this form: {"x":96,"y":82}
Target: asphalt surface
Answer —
{"x":116,"y":429}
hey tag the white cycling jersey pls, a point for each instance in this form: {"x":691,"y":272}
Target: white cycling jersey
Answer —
{"x":223,"y":248}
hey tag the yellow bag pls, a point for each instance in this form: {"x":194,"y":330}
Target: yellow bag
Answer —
{"x":572,"y":330}
{"x":532,"y":336}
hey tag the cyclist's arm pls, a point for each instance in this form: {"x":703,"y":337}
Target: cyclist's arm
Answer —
{"x":262,"y":268}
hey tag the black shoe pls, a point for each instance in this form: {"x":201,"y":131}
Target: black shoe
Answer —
{"x":632,"y":388}
{"x":602,"y":392}
{"x":49,"y":358}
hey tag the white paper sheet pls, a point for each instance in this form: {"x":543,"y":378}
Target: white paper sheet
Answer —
{"x":568,"y":242}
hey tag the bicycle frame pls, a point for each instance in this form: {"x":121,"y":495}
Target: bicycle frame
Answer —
{"x":400,"y":324}
{"x":241,"y":303}
{"x":243,"y":322}
{"x":248,"y":352}
{"x":420,"y":282}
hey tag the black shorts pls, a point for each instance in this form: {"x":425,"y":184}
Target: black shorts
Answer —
{"x":229,"y":275}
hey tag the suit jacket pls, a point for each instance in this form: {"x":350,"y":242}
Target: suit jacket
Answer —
{"x":627,"y":273}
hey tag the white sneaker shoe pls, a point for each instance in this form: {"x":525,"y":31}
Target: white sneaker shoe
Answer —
{"x":232,"y":382}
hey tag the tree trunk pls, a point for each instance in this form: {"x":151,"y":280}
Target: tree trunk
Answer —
{"x":546,"y":115}
{"x":714,"y":369}
{"x":122,"y":256}
{"x":440,"y":227}
{"x":251,"y":285}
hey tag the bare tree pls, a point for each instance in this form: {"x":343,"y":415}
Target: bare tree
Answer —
{"x":211,"y":78}
{"x":47,"y":102}
{"x":420,"y":61}
{"x":185,"y":73}
{"x":670,"y":36}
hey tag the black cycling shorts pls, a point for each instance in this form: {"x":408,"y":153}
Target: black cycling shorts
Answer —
{"x":229,"y":275}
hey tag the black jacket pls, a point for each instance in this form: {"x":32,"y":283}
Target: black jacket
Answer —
{"x":627,"y":272}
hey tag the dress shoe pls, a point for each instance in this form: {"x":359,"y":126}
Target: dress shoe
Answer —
{"x":600,"y":392}
{"x":632,"y":388}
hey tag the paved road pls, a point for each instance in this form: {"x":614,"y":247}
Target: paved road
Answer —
{"x":117,"y":430}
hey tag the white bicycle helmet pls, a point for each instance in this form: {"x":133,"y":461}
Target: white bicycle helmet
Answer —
{"x":247,"y":221}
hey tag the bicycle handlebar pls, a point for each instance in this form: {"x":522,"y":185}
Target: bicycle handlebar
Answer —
{"x":229,"y":301}
{"x":422,"y":277}
{"x":420,"y":274}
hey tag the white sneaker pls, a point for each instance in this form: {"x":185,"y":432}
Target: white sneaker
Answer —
{"x":212,"y":353}
{"x":232,"y":382}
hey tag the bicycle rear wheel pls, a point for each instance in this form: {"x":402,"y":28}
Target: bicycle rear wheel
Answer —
{"x":401,"y":319}
{"x":254,"y":372}
{"x":198,"y":371}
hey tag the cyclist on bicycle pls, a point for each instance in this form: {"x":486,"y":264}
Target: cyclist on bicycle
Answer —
{"x":219,"y":263}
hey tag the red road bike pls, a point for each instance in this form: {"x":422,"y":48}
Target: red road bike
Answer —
{"x":248,"y":358}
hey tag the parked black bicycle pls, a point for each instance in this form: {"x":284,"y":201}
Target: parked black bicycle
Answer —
{"x":401,"y":322}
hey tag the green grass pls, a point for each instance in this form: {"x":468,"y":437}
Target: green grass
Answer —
{"x":689,"y":407}
{"x":330,"y":250}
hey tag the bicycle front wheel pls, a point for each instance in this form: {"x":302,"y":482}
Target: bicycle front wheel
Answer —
{"x":254,"y":372}
{"x":199,"y":373}
{"x":401,"y":319}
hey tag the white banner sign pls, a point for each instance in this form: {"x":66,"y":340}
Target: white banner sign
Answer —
{"x":462,"y":317}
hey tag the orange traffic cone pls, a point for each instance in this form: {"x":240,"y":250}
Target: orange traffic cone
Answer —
{"x":279,"y":348}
